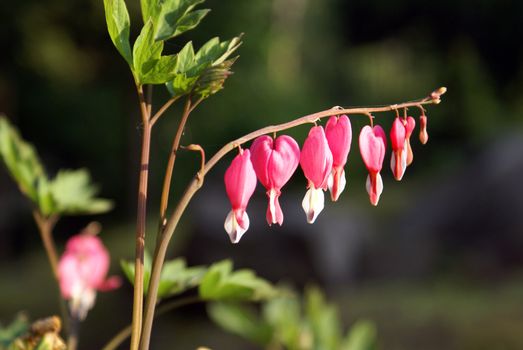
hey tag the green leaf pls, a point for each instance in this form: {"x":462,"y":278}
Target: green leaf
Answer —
{"x":150,"y":9}
{"x":176,"y":277}
{"x":190,"y":21}
{"x":162,"y":71}
{"x":362,"y":336}
{"x":175,"y":18}
{"x":284,"y":315}
{"x":220,"y":283}
{"x":73,"y":193}
{"x":17,"y":328}
{"x":324,"y":320}
{"x":146,"y":53}
{"x":118,"y":25}
{"x":21,"y":160}
{"x":128,"y":269}
{"x":240,"y":320}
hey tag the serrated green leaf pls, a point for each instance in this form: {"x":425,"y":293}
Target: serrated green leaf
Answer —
{"x":21,"y":160}
{"x":185,"y":58}
{"x":163,"y":70}
{"x":362,"y":336}
{"x":118,"y":26}
{"x":146,"y":52}
{"x":176,"y":277}
{"x":240,"y":320}
{"x":73,"y":193}
{"x":171,"y":16}
{"x":190,"y":21}
{"x":220,"y":283}
{"x":128,"y":269}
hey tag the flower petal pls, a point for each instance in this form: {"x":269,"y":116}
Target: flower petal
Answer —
{"x":316,"y":157}
{"x":338,"y":132}
{"x":233,"y":228}
{"x":313,"y":203}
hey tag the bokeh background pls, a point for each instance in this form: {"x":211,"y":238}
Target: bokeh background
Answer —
{"x":437,"y":265}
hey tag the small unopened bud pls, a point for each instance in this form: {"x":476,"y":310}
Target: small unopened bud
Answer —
{"x":423,"y":135}
{"x":436,"y":94}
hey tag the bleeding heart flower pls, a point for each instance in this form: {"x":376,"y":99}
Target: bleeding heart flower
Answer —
{"x":409,"y":124}
{"x":316,"y":162}
{"x":240,"y":182}
{"x":423,"y":135}
{"x":339,"y":136}
{"x":82,"y":271}
{"x":398,"y":160}
{"x":274,"y":162}
{"x":372,"y":148}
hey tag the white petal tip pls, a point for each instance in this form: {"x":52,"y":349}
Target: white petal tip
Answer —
{"x":313,"y":203}
{"x":233,"y":228}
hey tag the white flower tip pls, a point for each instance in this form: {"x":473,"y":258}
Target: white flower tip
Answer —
{"x":374,"y":189}
{"x":313,"y":203}
{"x":233,"y":228}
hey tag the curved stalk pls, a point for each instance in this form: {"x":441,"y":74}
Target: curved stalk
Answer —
{"x":167,"y":232}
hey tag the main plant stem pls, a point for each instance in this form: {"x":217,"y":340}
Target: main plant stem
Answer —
{"x":141,"y":221}
{"x":168,"y":229}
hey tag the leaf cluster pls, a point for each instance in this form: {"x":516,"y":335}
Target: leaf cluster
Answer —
{"x":200,"y":73}
{"x":284,"y":322}
{"x":69,"y":192}
{"x":215,"y":282}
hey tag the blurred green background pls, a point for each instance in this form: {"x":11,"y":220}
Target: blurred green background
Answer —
{"x":437,"y":265}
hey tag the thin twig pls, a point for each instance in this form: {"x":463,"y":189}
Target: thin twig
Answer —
{"x":162,"y":110}
{"x":45,"y":227}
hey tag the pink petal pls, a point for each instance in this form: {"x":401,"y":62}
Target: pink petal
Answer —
{"x":339,"y":136}
{"x":410,"y":124}
{"x":372,"y":147}
{"x":397,"y":134}
{"x":240,"y":180}
{"x":111,"y":283}
{"x":423,"y":135}
{"x":274,"y":212}
{"x":316,"y":158}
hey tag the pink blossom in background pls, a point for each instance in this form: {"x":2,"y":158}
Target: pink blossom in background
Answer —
{"x":398,"y":159}
{"x":82,"y":271}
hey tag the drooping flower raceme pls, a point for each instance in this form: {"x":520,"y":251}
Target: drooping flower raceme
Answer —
{"x":398,"y":160}
{"x":316,"y":162}
{"x":339,"y":136}
{"x":372,"y":148}
{"x":82,"y":271}
{"x":240,"y":183}
{"x":274,"y":162}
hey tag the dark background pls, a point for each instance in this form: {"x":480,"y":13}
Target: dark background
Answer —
{"x":437,"y":265}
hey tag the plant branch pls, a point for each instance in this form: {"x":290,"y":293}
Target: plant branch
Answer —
{"x":168,"y":306}
{"x":162,"y":110}
{"x":172,"y":160}
{"x":45,"y":227}
{"x":140,"y":223}
{"x":167,"y":232}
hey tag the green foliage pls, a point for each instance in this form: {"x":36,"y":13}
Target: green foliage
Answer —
{"x":221,"y":283}
{"x":20,"y":159}
{"x":203,"y":72}
{"x":8,"y":334}
{"x":118,"y":26}
{"x":362,"y":336}
{"x":176,"y":17}
{"x":175,"y":277}
{"x":70,"y":192}
{"x":285,"y":322}
{"x":242,"y":320}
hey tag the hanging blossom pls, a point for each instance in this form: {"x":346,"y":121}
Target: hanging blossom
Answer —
{"x":372,"y":148}
{"x":240,"y":182}
{"x":339,"y":136}
{"x":423,"y":135}
{"x":82,"y":271}
{"x":316,"y":162}
{"x":274,"y":162}
{"x":398,"y":160}
{"x":409,"y":124}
